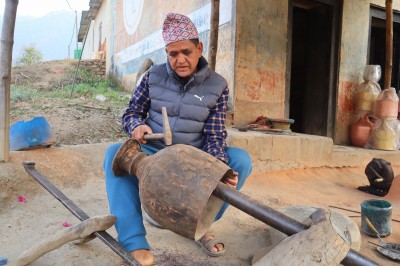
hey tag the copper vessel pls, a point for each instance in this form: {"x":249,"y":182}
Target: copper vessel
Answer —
{"x":184,"y":202}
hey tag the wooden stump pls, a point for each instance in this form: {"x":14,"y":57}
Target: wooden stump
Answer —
{"x":318,"y":245}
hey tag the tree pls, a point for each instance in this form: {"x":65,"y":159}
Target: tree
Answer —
{"x":30,"y":55}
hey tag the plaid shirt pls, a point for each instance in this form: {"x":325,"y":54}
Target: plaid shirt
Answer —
{"x":214,"y":133}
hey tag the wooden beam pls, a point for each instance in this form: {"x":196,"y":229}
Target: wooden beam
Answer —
{"x":389,"y":44}
{"x":214,"y":26}
{"x":6,"y":45}
{"x":82,"y":231}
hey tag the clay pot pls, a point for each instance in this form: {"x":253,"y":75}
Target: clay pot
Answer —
{"x":386,"y":108}
{"x":384,"y":135}
{"x":365,"y":100}
{"x":387,"y":104}
{"x":361,"y":131}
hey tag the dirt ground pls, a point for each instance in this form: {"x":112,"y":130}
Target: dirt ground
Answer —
{"x":75,"y":167}
{"x":73,"y":121}
{"x":76,"y":170}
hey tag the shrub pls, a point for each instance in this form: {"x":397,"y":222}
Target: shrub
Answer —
{"x":30,"y":55}
{"x":20,"y":94}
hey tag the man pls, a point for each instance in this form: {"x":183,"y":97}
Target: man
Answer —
{"x":196,"y":101}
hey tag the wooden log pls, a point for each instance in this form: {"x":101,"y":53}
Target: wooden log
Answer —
{"x":318,"y":245}
{"x":83,"y":230}
{"x":214,"y":26}
{"x":389,"y":44}
{"x":7,"y":42}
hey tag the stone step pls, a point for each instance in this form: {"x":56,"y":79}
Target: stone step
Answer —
{"x":294,"y":150}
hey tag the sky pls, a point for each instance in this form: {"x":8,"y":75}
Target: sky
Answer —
{"x":39,"y":8}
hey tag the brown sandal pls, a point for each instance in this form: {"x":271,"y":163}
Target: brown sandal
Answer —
{"x":208,"y":245}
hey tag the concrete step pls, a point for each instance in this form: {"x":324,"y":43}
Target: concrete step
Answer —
{"x":294,"y":150}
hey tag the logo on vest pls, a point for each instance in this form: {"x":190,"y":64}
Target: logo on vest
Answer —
{"x":200,"y":98}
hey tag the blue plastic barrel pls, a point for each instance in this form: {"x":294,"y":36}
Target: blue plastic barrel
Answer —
{"x":28,"y":134}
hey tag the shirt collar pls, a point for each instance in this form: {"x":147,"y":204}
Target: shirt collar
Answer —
{"x":199,"y":76}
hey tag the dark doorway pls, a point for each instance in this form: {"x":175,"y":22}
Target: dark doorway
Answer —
{"x":377,"y":45}
{"x":313,"y":70}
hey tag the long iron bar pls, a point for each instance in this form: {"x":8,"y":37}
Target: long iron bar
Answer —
{"x":277,"y":220}
{"x":79,"y":213}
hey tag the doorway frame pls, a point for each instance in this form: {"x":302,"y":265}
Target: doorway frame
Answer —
{"x":380,"y":12}
{"x":337,"y":6}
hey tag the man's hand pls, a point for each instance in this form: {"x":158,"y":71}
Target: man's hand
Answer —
{"x":139,"y":132}
{"x":233,"y":180}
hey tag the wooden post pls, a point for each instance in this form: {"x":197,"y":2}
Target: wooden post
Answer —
{"x":214,"y":25}
{"x":389,"y":44}
{"x":6,"y":45}
{"x":77,"y":33}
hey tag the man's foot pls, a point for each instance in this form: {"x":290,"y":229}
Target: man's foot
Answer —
{"x":143,"y":256}
{"x":210,"y":245}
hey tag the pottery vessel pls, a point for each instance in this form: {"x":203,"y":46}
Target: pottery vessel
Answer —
{"x":387,"y":104}
{"x":365,"y":100}
{"x":361,"y":131}
{"x":384,"y":135}
{"x":372,"y":73}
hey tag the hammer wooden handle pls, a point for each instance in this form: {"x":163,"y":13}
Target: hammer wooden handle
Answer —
{"x":166,"y":136}
{"x":372,"y":227}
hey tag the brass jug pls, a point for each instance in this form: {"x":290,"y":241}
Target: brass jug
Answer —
{"x":175,"y":185}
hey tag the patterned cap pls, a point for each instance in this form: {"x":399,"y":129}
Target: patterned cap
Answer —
{"x":177,"y":28}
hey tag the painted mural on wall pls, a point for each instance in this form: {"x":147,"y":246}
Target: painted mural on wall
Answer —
{"x":137,"y":29}
{"x":132,"y":11}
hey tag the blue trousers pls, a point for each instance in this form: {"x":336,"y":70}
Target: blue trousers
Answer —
{"x":124,"y":201}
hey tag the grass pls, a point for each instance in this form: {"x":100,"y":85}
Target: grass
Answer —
{"x":89,"y":86}
{"x":22,"y":93}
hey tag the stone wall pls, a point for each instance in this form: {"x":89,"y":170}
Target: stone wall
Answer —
{"x":96,"y":66}
{"x":260,"y":59}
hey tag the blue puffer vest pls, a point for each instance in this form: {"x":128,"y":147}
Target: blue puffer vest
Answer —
{"x":188,"y":106}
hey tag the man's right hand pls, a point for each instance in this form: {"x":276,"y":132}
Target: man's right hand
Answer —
{"x":139,"y":132}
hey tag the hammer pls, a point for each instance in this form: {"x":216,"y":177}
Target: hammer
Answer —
{"x":166,"y":136}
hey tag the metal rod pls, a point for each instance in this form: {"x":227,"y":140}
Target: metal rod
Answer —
{"x":268,"y":215}
{"x":277,"y":220}
{"x":354,"y":258}
{"x":80,"y":214}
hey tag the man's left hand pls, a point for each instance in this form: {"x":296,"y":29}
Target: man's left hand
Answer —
{"x":233,"y":180}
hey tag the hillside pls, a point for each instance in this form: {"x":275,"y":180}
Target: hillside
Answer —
{"x":80,"y":119}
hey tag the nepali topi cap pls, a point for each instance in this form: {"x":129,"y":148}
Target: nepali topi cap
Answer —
{"x":177,"y":28}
